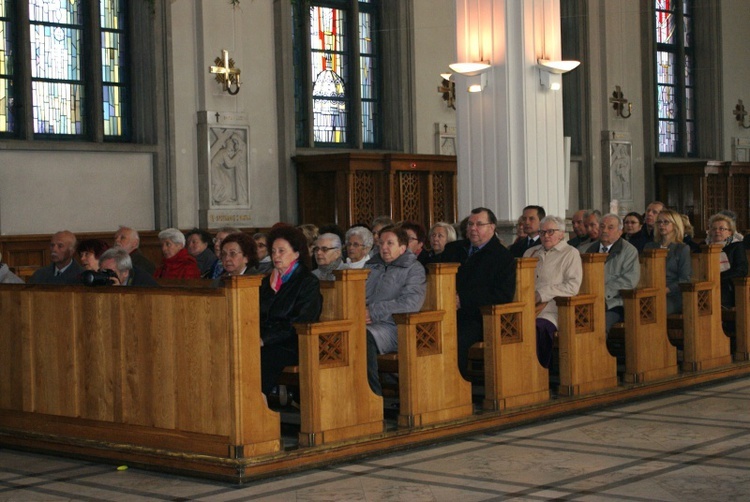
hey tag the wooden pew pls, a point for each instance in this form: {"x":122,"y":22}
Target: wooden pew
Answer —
{"x":742,"y":319}
{"x":585,"y":362}
{"x":513,"y":375}
{"x":336,"y":403}
{"x":148,"y":369}
{"x":705,"y":344}
{"x":431,"y":388}
{"x":649,"y":355}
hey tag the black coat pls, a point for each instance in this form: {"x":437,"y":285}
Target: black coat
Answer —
{"x":738,"y":267}
{"x":521,"y":245}
{"x":488,"y":277}
{"x":298,"y":300}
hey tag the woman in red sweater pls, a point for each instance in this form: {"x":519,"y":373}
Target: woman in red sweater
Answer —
{"x":177,"y":263}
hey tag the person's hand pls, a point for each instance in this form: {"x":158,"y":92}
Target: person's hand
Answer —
{"x":458,"y":301}
{"x":367,"y":316}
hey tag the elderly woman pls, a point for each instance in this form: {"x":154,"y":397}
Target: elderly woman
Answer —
{"x":688,"y":237}
{"x":264,"y":258}
{"x":396,"y":284}
{"x":89,"y":251}
{"x":359,"y":242}
{"x":733,"y":259}
{"x":668,"y":235}
{"x":177,"y":262}
{"x":290,"y":294}
{"x":441,"y":234}
{"x":327,"y":252}
{"x":218,"y":269}
{"x":238,"y":254}
{"x":198,"y":246}
{"x":6,"y":276}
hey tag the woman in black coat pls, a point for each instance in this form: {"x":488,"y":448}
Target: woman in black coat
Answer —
{"x":290,"y":294}
{"x":733,"y":259}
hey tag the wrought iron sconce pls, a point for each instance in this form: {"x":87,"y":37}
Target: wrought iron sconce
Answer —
{"x":619,"y":101}
{"x":448,"y":90}
{"x":226,"y":73}
{"x":739,"y":114}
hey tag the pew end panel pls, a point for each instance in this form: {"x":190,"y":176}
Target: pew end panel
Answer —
{"x":742,"y":319}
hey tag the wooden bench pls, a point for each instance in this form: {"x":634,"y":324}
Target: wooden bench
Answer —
{"x":586,"y":365}
{"x":150,"y":369}
{"x":513,"y":375}
{"x":336,"y":403}
{"x":431,"y":389}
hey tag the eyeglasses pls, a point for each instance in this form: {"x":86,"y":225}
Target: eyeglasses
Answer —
{"x":550,"y":232}
{"x":663,"y":222}
{"x":231,"y":254}
{"x":354,"y":245}
{"x":720,"y":229}
{"x":479,"y":224}
{"x":413,"y":239}
{"x":322,"y":248}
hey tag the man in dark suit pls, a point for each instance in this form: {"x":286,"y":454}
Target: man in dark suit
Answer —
{"x":64,"y":269}
{"x":128,"y":239}
{"x":579,"y":228}
{"x":531,"y":217}
{"x":646,"y":234}
{"x":487,"y":276}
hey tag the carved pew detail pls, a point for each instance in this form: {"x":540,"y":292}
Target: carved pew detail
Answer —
{"x":336,"y":403}
{"x":705,"y":344}
{"x":648,"y":353}
{"x":585,"y":362}
{"x":430,"y":386}
{"x":513,"y":375}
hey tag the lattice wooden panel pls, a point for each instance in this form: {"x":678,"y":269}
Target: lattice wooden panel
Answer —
{"x":716,"y":195}
{"x":584,"y":318}
{"x":428,"y":338}
{"x":704,"y":303}
{"x":441,"y":195}
{"x":647,"y":310}
{"x":333,"y":349}
{"x":510,"y":328}
{"x":364,"y":196}
{"x":740,"y":194}
{"x":411,"y":196}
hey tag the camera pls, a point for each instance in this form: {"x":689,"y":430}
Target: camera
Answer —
{"x":100,"y":278}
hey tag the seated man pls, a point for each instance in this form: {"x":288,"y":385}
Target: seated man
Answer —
{"x":622,"y":270}
{"x":119,"y":261}
{"x":396,"y":285}
{"x":417,"y":240}
{"x":532,"y":215}
{"x":579,"y":228}
{"x":558,"y":273}
{"x":199,"y":244}
{"x":487,"y":276}
{"x":64,"y":269}
{"x":128,"y":239}
{"x":592,"y":230}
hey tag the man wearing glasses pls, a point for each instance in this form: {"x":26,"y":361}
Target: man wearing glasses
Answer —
{"x":487,"y":276}
{"x":559,"y":272}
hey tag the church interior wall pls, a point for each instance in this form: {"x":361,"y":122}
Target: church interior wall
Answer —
{"x":735,"y":19}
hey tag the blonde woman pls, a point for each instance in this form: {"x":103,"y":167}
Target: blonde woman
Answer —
{"x":723,"y":230}
{"x":668,"y":234}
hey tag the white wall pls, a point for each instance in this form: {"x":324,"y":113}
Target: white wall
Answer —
{"x":43,"y":192}
{"x":735,"y":24}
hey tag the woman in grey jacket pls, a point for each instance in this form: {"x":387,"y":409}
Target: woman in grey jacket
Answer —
{"x":396,"y":285}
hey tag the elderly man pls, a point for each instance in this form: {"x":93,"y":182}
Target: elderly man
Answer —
{"x":558,"y":273}
{"x":579,"y":228}
{"x":531,"y":217}
{"x":327,"y":254}
{"x":119,"y":261}
{"x":487,"y":276}
{"x":128,"y":239}
{"x":592,"y":230}
{"x":622,"y":269}
{"x":64,"y":269}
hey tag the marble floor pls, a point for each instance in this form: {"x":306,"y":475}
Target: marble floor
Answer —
{"x":689,"y":445}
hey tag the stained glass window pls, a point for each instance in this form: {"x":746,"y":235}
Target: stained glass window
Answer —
{"x":114,"y":66}
{"x":338,"y":72}
{"x":675,"y":84}
{"x":7,"y":121}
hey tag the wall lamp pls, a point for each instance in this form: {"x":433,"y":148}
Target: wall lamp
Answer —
{"x":619,"y":101}
{"x":550,"y":72}
{"x":739,"y":114}
{"x":475,"y":73}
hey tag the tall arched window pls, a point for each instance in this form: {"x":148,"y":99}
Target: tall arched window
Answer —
{"x":675,"y":78}
{"x":337,"y":75}
{"x":64,"y":69}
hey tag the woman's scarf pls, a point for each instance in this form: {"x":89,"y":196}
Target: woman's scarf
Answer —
{"x":278,"y":279}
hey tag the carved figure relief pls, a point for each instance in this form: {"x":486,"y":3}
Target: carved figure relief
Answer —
{"x":620,"y":171}
{"x":229,"y":167}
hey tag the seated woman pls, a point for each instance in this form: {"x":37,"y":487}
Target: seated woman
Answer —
{"x":177,"y":263}
{"x":396,"y":285}
{"x":632,"y":226}
{"x":198,"y":246}
{"x":264,"y":258}
{"x":290,"y":294}
{"x":327,"y":253}
{"x":90,"y":251}
{"x":441,"y":234}
{"x":733,"y":258}
{"x":359,"y":242}
{"x":238,"y":254}
{"x":688,"y":238}
{"x":6,"y":276}
{"x":668,"y":235}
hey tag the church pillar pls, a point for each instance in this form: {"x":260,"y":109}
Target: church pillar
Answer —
{"x":510,"y":136}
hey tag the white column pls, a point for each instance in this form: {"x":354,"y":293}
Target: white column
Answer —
{"x":510,"y":136}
